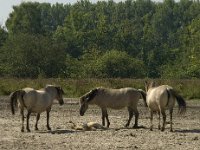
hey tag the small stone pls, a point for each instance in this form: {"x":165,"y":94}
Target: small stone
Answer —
{"x":195,"y":138}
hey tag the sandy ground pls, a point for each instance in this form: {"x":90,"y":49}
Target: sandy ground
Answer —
{"x":186,"y":135}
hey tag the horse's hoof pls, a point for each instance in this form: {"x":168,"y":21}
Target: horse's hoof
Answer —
{"x":36,"y":129}
{"x":28,"y":130}
{"x":162,"y":129}
{"x":49,"y":129}
{"x":135,"y":127}
{"x":22,"y":130}
{"x":126,"y":125}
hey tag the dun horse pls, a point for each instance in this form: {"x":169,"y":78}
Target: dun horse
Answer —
{"x":36,"y":101}
{"x":161,"y":98}
{"x":115,"y":99}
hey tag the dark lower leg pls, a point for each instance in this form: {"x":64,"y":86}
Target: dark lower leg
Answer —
{"x":164,"y":121}
{"x":103,"y":117}
{"x":130,"y":116}
{"x":108,"y":122}
{"x":151,"y":120}
{"x":27,"y":121}
{"x":22,"y":115}
{"x":159,"y":120}
{"x":171,"y":111}
{"x":48,"y":127}
{"x":136,"y":119}
{"x":103,"y":120}
{"x":37,"y":119}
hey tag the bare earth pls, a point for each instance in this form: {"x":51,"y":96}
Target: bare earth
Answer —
{"x":186,"y":135}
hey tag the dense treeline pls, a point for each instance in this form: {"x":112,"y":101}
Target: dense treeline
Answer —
{"x":131,"y":39}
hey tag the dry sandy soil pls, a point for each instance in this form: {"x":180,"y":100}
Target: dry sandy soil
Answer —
{"x":186,"y":135}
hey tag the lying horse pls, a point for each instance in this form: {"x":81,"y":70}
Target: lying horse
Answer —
{"x":161,"y":98}
{"x":90,"y":126}
{"x":36,"y":101}
{"x":115,"y":99}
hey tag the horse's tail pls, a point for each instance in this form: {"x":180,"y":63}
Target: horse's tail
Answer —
{"x":13,"y":99}
{"x":143,"y":93}
{"x":180,"y":100}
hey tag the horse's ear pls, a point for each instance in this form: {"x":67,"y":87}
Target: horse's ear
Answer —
{"x":153,"y":84}
{"x":146,"y":85}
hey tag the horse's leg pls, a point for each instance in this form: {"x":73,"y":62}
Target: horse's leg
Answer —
{"x":22,"y":115}
{"x":130,"y":110}
{"x":37,"y":119}
{"x":48,"y":127}
{"x":151,"y":120}
{"x":159,"y":120}
{"x":164,"y":120}
{"x":27,"y":121}
{"x":136,"y":118}
{"x":108,"y":122}
{"x":105,"y":115}
{"x":170,"y":112}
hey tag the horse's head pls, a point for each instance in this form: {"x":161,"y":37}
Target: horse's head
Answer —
{"x":59,"y":95}
{"x":85,"y":99}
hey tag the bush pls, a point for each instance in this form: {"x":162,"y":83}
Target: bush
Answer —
{"x":117,"y":64}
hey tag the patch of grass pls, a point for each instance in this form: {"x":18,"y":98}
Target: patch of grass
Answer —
{"x":189,"y":89}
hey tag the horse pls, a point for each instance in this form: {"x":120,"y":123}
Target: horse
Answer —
{"x":90,"y":126}
{"x":161,"y":98}
{"x":114,"y":99}
{"x":35,"y":101}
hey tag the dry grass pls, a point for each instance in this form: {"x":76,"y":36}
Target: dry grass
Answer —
{"x":190,"y":89}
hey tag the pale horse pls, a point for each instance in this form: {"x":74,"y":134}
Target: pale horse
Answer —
{"x":114,"y":99}
{"x":161,"y":98}
{"x":36,"y":101}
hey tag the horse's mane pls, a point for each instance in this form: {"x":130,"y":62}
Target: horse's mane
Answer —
{"x":90,"y":95}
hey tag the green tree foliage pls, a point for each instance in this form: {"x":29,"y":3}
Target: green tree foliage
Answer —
{"x":130,"y":39}
{"x":119,"y":64}
{"x":36,"y":18}
{"x":27,"y":55}
{"x":3,"y":35}
{"x":3,"y":38}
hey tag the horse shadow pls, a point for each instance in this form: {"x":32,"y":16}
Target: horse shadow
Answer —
{"x":130,"y":128}
{"x":58,"y":131}
{"x":188,"y":131}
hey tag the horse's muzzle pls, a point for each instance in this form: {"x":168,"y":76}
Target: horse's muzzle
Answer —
{"x":81,"y":113}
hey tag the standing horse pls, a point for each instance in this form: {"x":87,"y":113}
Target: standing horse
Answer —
{"x":115,"y":99}
{"x":161,"y":98}
{"x":36,"y":101}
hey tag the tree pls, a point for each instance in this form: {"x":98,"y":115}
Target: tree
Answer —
{"x":27,"y":55}
{"x":25,"y":18}
{"x":3,"y":35}
{"x":36,"y":18}
{"x":120,"y":64}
